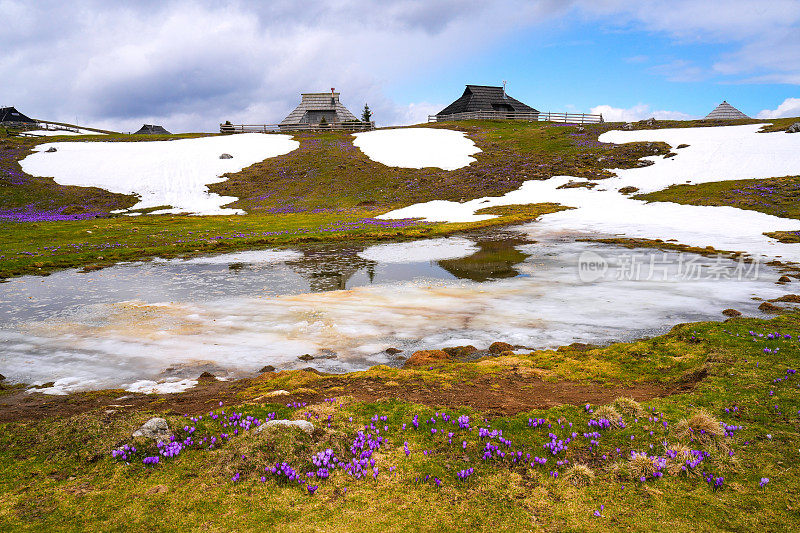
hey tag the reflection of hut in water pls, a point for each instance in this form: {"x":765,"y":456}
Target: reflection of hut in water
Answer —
{"x":329,"y":269}
{"x":494,"y":260}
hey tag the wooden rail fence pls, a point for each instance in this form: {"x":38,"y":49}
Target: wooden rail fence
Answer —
{"x":268,"y":128}
{"x":579,"y":118}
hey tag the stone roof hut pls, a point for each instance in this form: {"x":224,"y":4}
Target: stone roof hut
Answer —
{"x":725,"y":111}
{"x":314,"y":107}
{"x":10,"y":115}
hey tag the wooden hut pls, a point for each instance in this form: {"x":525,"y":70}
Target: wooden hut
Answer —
{"x":9,"y":116}
{"x":151,"y":129}
{"x":485,"y":101}
{"x":316,"y":109}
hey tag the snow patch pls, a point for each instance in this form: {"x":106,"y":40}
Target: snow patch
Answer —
{"x":418,"y":251}
{"x":248,"y":257}
{"x":167,"y":386}
{"x":173,"y":173}
{"x":713,"y":154}
{"x":417,"y":148}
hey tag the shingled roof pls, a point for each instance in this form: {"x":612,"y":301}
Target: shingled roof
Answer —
{"x":485,"y":98}
{"x":152,"y":129}
{"x":316,"y":106}
{"x":10,"y":114}
{"x":725,"y":111}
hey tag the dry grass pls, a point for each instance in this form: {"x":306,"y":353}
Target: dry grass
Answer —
{"x":609,"y":413}
{"x":628,"y":407}
{"x":640,"y":465}
{"x":701,"y":427}
{"x":579,"y":475}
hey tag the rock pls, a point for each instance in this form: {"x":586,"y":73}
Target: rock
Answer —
{"x":207,"y":375}
{"x":393,"y":351}
{"x":51,"y":150}
{"x":302,"y":425}
{"x":500,"y":347}
{"x":2,"y":377}
{"x":580,"y":129}
{"x":629,"y":189}
{"x":793,"y":298}
{"x":769,"y":308}
{"x":226,"y":156}
{"x":627,"y":126}
{"x":681,"y":146}
{"x":731,"y":312}
{"x":155,"y":428}
{"x":306,"y":357}
{"x":649,"y":122}
{"x":794,"y":128}
{"x":268,"y":368}
{"x":279,"y":393}
{"x":426,"y":357}
{"x":460,"y":351}
{"x":784,"y":279}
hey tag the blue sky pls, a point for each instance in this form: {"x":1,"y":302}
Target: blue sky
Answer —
{"x":189,"y":64}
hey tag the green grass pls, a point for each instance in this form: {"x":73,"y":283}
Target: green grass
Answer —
{"x":42,"y":247}
{"x":56,"y":474}
{"x":778,"y":196}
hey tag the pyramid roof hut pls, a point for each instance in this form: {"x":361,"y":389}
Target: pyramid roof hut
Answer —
{"x":314,"y":107}
{"x":485,"y":98}
{"x":10,"y":115}
{"x":151,"y":129}
{"x":725,"y":111}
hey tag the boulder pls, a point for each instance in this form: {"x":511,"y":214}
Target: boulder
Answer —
{"x":51,"y":150}
{"x":302,"y":425}
{"x":770,"y":308}
{"x":279,"y":393}
{"x":794,"y":128}
{"x":393,"y":351}
{"x":500,"y":347}
{"x":207,"y":375}
{"x":784,"y":279}
{"x":427,"y":357}
{"x":268,"y":368}
{"x":731,"y":312}
{"x":155,"y":428}
{"x":627,"y":126}
{"x":306,"y":357}
{"x":226,"y":156}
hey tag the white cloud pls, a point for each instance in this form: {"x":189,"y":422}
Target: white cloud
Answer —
{"x":637,"y":112}
{"x":788,"y":108}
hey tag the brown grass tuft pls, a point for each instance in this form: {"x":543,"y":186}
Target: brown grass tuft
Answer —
{"x":628,"y":407}
{"x":609,"y":413}
{"x":579,"y":475}
{"x":701,"y":427}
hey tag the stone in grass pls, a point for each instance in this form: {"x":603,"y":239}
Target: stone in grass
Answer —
{"x":280,"y":392}
{"x":794,"y":128}
{"x":226,"y":156}
{"x":302,"y":425}
{"x":731,"y":312}
{"x":427,"y":357}
{"x":628,"y":126}
{"x":500,"y":347}
{"x":155,"y":429}
{"x":770,"y":308}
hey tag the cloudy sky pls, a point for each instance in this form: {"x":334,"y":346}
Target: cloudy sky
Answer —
{"x":190,"y":64}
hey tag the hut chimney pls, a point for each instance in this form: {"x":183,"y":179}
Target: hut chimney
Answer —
{"x":504,"y":89}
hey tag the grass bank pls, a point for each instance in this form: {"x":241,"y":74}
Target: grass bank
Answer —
{"x":712,"y":446}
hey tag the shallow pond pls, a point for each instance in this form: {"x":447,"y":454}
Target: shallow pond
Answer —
{"x":169,"y":320}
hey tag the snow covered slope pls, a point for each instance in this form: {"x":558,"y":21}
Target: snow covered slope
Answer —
{"x":162,"y":173}
{"x":714,"y":154}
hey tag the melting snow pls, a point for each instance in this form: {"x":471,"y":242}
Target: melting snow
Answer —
{"x":162,"y":173}
{"x":416,"y":251}
{"x":417,"y":147}
{"x":714,"y":154}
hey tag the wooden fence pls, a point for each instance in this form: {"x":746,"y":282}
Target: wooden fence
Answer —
{"x":268,"y":128}
{"x":578,"y":118}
